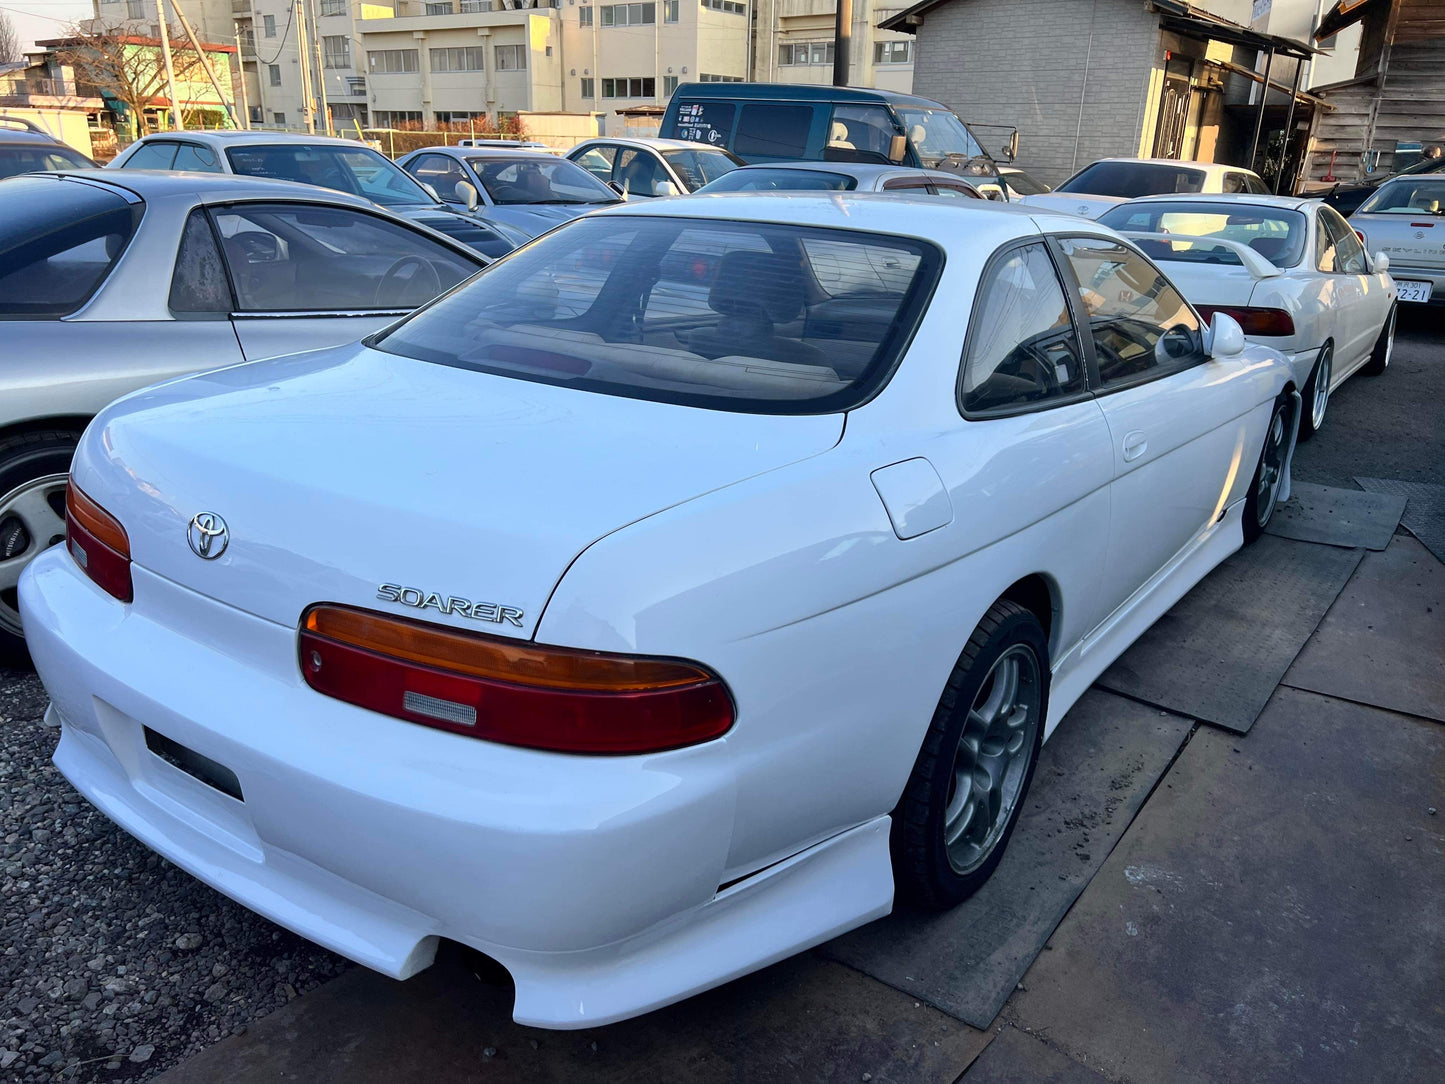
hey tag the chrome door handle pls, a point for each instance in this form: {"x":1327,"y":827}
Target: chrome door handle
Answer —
{"x":1134,"y":445}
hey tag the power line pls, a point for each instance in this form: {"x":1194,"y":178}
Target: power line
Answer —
{"x":285,"y":36}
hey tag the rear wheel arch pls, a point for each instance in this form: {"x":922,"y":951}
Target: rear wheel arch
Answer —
{"x":1039,"y":594}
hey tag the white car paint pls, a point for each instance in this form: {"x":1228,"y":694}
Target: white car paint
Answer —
{"x":1345,"y":311}
{"x":830,"y":574}
{"x":1091,"y":203}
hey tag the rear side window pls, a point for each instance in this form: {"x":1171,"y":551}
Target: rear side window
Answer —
{"x":1133,"y":179}
{"x":199,"y":283}
{"x":745,"y":316}
{"x":773,"y":131}
{"x":193,"y":156}
{"x":157,"y":155}
{"x":59,"y":240}
{"x":26,"y":158}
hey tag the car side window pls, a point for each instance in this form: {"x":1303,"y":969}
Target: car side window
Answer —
{"x":1254,"y":186}
{"x":952,"y":191}
{"x":193,"y":156}
{"x":598,"y":161}
{"x":1327,"y":259}
{"x":917,"y":184}
{"x":442,"y":173}
{"x":1022,"y":349}
{"x":157,"y":155}
{"x":1141,"y":326}
{"x":1349,"y":253}
{"x":1234,"y":182}
{"x":199,"y":283}
{"x":290,"y":258}
{"x":639,"y":171}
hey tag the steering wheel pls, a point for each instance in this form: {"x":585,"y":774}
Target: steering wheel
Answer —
{"x":394,"y":275}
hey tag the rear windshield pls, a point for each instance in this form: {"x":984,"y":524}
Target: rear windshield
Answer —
{"x":699,"y":167}
{"x":1133,"y":179}
{"x":58,"y":242}
{"x":763,"y":179}
{"x":1407,"y":196}
{"x":742,"y":316}
{"x":359,"y":170}
{"x":1020,"y":182}
{"x":1276,"y":234}
{"x":31,"y":158}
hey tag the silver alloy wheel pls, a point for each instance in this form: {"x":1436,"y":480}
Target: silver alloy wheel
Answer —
{"x":1271,"y":466}
{"x":992,"y":758}
{"x":1324,"y":373}
{"x":29,"y":523}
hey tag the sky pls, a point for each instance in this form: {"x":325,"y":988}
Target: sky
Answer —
{"x":40,"y":19}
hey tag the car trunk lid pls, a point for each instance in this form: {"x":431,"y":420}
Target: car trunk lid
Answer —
{"x":1409,"y":240}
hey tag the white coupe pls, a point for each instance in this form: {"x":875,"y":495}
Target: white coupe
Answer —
{"x":1291,"y":271}
{"x":658,"y":603}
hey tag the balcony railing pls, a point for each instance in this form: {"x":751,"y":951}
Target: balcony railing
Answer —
{"x":18,"y":87}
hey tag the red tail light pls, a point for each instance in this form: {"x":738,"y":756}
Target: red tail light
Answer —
{"x":1361,"y":236}
{"x":509,"y":691}
{"x":1254,"y":321}
{"x":97,"y":542}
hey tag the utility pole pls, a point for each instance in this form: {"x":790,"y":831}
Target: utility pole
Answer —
{"x":842,"y":37}
{"x":176,"y":122}
{"x":229,"y":107}
{"x":241,"y":72}
{"x":308,"y":103}
{"x":320,"y":68}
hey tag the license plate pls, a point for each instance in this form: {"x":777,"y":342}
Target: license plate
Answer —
{"x":1413,"y":291}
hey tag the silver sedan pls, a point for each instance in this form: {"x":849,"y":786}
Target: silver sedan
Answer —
{"x":110,"y":282}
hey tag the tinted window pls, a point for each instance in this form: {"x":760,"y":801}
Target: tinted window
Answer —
{"x":539,"y":179}
{"x":199,"y":282}
{"x":766,"y":179}
{"x":773,"y":131}
{"x":1140,"y":324}
{"x":195,"y":157}
{"x":360,"y":171}
{"x":860,"y":133}
{"x":285,"y":258}
{"x":1276,"y":234}
{"x":58,"y":242}
{"x":1131,"y":179}
{"x":441,"y":172}
{"x":1022,"y":184}
{"x":598,"y":161}
{"x":936,"y":134}
{"x":638,"y":172}
{"x":1022,"y":346}
{"x":705,"y":122}
{"x":731,"y":315}
{"x":699,"y":167}
{"x":1350,"y":254}
{"x":1255,"y":186}
{"x":15,"y":160}
{"x":157,"y":155}
{"x":1409,"y":197}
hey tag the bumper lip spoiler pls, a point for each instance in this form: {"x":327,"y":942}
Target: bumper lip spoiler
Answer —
{"x":1253,"y":262}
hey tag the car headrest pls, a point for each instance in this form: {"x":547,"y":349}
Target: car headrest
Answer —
{"x":838,"y":135}
{"x":758,"y":283}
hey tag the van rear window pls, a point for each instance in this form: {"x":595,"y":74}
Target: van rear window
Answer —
{"x":774,"y":131}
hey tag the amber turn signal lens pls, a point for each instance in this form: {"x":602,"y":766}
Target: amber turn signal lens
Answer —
{"x":97,"y":543}
{"x":99,"y":523}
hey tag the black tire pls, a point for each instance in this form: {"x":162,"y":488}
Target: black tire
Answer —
{"x":1384,"y":347}
{"x":923,"y":871}
{"x":1307,"y":427}
{"x":1254,"y":522}
{"x":24,"y":458}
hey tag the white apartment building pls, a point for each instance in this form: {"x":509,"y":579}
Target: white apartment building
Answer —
{"x":271,"y":52}
{"x":795,"y":44}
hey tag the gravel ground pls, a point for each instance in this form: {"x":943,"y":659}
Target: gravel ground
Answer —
{"x":116,"y":965}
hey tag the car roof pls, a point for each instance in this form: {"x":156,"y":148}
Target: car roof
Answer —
{"x":860,"y":170}
{"x":1232,"y":199}
{"x":655,"y":142}
{"x":801,"y":92}
{"x":531,"y":154}
{"x":1207,"y":167}
{"x":151,"y":184}
{"x":232,"y":138}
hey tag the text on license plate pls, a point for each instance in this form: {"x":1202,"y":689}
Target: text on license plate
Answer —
{"x":1413,"y":291}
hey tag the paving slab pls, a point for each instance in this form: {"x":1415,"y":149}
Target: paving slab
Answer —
{"x":1015,"y":1056}
{"x":1424,"y":509}
{"x":1275,"y":912}
{"x":1383,"y":641}
{"x":1220,"y":652}
{"x":1333,"y":516}
{"x":806,"y":1019}
{"x":1093,"y":775}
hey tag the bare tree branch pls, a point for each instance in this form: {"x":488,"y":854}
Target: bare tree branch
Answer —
{"x":128,"y":67}
{"x":10,"y":52}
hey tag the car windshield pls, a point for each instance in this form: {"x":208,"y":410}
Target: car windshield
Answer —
{"x":358,"y":170}
{"x":1275,"y":233}
{"x":32,"y":157}
{"x":770,"y":179}
{"x":1407,"y":196}
{"x":539,"y":179}
{"x":744,"y":316}
{"x":937,"y":134}
{"x":1133,"y":179}
{"x":1425,"y":165}
{"x":58,"y":242}
{"x":701,"y":166}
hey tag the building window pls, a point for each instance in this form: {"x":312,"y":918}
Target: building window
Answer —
{"x":257,"y":117}
{"x":471,"y":58}
{"x":806,"y":52}
{"x":645,"y":87}
{"x":273,"y":73}
{"x":589,"y":88}
{"x":511,"y":58}
{"x":136,"y":9}
{"x":395,"y":118}
{"x":278,"y":119}
{"x":439,"y":9}
{"x":268,"y":26}
{"x":893,"y":52}
{"x":705,"y":78}
{"x":333,"y":7}
{"x":391,"y":61}
{"x":459,"y":116}
{"x":336,"y":51}
{"x":731,"y":7}
{"x":669,"y":84}
{"x":476,"y":7}
{"x":629,"y":14}
{"x":584,"y":16}
{"x":669,"y":11}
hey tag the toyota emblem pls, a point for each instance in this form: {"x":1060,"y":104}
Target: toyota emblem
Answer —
{"x":207,"y":535}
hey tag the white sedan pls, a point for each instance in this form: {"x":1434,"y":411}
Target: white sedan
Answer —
{"x":1291,"y":271}
{"x":638,"y":644}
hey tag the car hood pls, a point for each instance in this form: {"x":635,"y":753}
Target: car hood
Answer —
{"x":537,"y":218}
{"x":1073,"y":203}
{"x":342,"y":470}
{"x":1409,"y":240}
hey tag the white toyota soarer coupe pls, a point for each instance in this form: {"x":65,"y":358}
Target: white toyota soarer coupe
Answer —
{"x":657,"y":603}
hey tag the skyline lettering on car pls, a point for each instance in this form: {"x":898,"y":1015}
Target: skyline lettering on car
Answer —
{"x":449,"y":604}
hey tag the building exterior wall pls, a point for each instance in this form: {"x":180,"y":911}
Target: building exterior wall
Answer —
{"x":786,"y":24}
